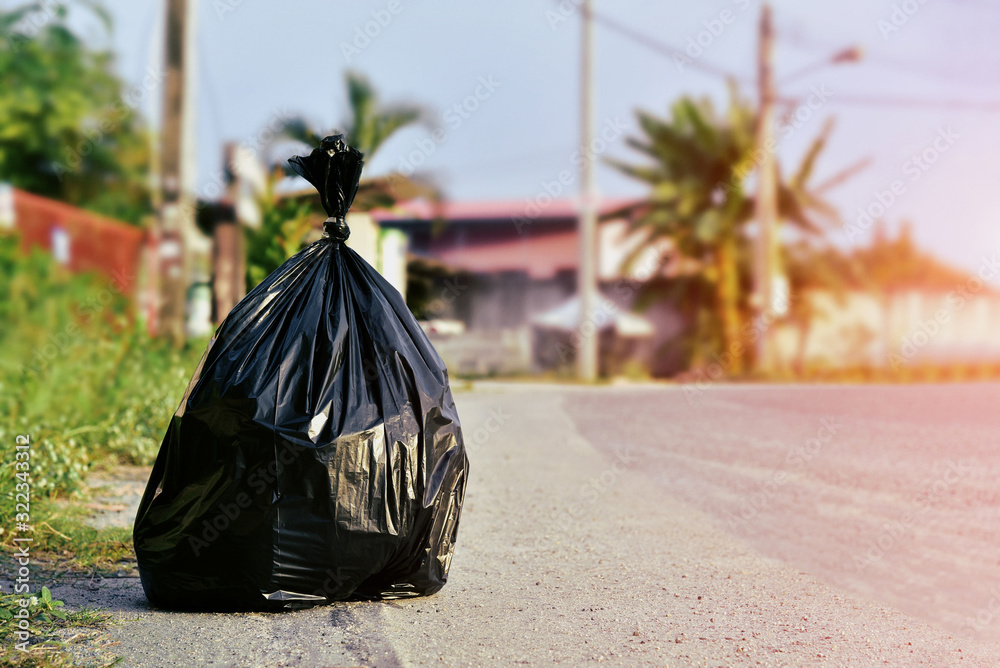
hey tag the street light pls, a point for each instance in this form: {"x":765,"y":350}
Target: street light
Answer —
{"x":851,"y":54}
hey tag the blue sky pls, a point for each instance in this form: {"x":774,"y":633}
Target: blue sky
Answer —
{"x":260,"y":59}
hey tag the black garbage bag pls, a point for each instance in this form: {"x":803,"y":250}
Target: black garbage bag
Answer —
{"x":317,"y":454}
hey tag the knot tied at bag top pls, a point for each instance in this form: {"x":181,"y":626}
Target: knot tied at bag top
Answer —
{"x":334,"y":169}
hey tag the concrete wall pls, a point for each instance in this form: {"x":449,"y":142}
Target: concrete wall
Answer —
{"x":383,"y":249}
{"x":909,"y":327}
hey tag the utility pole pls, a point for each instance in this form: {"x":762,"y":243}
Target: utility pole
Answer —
{"x":228,"y":265}
{"x":176,"y":214}
{"x":765,"y":255}
{"x":587,"y":353}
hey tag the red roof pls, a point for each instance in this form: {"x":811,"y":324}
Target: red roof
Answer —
{"x":543,"y":207}
{"x":541,"y":257}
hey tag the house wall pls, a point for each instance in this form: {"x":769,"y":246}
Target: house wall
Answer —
{"x":909,"y":327}
{"x":510,"y":299}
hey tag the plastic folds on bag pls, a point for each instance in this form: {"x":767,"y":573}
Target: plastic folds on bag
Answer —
{"x":317,"y":454}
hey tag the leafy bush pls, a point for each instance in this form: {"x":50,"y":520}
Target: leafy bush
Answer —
{"x":284,"y":228}
{"x":78,"y":373}
{"x":83,"y":379}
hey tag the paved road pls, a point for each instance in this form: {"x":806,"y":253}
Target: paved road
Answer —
{"x":777,"y":526}
{"x":888,"y":492}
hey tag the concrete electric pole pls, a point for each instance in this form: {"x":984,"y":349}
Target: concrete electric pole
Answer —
{"x":587,"y":354}
{"x":176,"y":214}
{"x":765,"y":255}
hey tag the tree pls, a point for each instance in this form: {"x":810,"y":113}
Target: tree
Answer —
{"x":67,"y":128}
{"x":368,"y":127}
{"x":287,"y":221}
{"x":370,"y":124}
{"x":698,"y":167}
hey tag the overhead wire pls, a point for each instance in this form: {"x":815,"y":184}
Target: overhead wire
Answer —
{"x":672,"y":52}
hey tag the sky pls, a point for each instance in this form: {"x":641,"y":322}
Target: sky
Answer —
{"x":513,"y":70}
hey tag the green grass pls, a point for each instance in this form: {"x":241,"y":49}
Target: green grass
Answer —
{"x":63,"y":541}
{"x":81,"y":377}
{"x":46,"y":618}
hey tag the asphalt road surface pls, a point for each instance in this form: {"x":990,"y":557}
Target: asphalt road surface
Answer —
{"x":669,"y":525}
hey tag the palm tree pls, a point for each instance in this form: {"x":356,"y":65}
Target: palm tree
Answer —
{"x":698,"y":165}
{"x":369,"y":126}
{"x":288,"y":221}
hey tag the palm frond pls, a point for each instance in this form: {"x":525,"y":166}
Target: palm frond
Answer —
{"x":98,"y":9}
{"x":298,"y":129}
{"x":812,"y":154}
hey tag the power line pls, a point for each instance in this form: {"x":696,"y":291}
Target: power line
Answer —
{"x":909,"y":103}
{"x":674,"y":53}
{"x":913,"y":104}
{"x":938,"y":75}
{"x":793,"y":35}
{"x":664,"y":49}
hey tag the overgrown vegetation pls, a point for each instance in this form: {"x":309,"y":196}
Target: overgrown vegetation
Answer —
{"x":285,"y":223}
{"x":78,"y":375}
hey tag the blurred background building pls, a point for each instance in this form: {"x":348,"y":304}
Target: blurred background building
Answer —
{"x":739,"y":234}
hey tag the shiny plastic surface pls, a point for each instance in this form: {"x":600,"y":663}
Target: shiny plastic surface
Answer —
{"x":317,"y":454}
